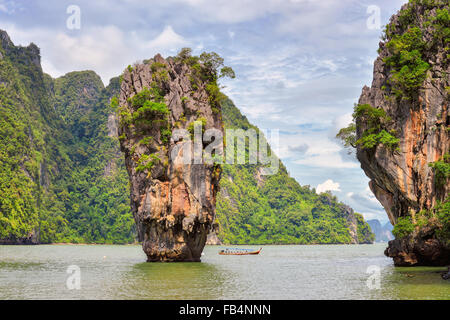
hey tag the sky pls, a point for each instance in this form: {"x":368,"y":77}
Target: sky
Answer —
{"x":300,"y":64}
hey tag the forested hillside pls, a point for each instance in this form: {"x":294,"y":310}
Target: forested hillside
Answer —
{"x":33,"y":155}
{"x":63,"y":179}
{"x":61,"y":172}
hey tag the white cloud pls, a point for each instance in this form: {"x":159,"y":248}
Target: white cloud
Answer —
{"x":323,"y":153}
{"x":328,"y":185}
{"x":167,"y":40}
{"x":340,"y":122}
{"x":328,"y":161}
{"x":366,"y":199}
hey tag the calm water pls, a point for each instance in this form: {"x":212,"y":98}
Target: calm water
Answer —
{"x":280,"y":272}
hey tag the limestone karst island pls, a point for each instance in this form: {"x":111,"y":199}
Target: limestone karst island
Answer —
{"x":209,"y":150}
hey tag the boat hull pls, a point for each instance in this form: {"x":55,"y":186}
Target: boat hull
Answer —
{"x":252,"y":253}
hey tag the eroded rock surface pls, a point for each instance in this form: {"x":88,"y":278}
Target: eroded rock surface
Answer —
{"x":173,"y":202}
{"x":402,"y":180}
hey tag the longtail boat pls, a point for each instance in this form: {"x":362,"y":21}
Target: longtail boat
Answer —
{"x":239,"y":252}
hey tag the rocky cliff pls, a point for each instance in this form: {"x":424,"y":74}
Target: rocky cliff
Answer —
{"x":402,"y":131}
{"x":173,"y":201}
{"x":26,"y":122}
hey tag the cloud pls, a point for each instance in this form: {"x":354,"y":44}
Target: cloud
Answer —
{"x":340,"y":122}
{"x":301,"y":149}
{"x":365,"y":199}
{"x":9,"y":7}
{"x":167,"y":40}
{"x":328,"y":185}
{"x":330,"y":161}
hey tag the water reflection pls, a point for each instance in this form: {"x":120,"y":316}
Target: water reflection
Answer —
{"x":192,"y":281}
{"x":419,"y":283}
{"x":15,"y":266}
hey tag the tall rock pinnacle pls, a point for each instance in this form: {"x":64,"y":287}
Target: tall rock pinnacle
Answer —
{"x":173,"y":201}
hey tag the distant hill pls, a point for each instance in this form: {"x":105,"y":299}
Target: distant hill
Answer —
{"x":383,"y":233}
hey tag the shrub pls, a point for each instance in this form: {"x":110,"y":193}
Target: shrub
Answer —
{"x":403,"y":228}
{"x":147,"y":162}
{"x":375,"y":119}
{"x":442,"y":211}
{"x":408,"y":69}
{"x":441,"y":170}
{"x":209,"y":68}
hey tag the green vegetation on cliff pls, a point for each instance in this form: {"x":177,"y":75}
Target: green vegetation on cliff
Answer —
{"x":438,"y":218}
{"x":374,"y":134}
{"x":442,"y":170}
{"x":408,"y":48}
{"x":61,"y":176}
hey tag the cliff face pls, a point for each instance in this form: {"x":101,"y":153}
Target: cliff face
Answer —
{"x":173,"y":202}
{"x":26,"y":118}
{"x":411,"y":83}
{"x":62,"y":175}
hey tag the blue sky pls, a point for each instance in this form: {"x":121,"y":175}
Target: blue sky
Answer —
{"x":300,"y":64}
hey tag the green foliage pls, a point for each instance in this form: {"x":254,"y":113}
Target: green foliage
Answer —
{"x":209,"y":68}
{"x":375,"y":120}
{"x":150,"y":110}
{"x":146,"y":141}
{"x":95,"y":197}
{"x":403,"y":228}
{"x":441,"y":171}
{"x":437,"y":219}
{"x":348,"y":136}
{"x":147,"y":162}
{"x":54,"y":148}
{"x":199,"y":122}
{"x":365,"y":234}
{"x":442,"y":212}
{"x":157,"y":66}
{"x":114,"y":104}
{"x":408,"y":51}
